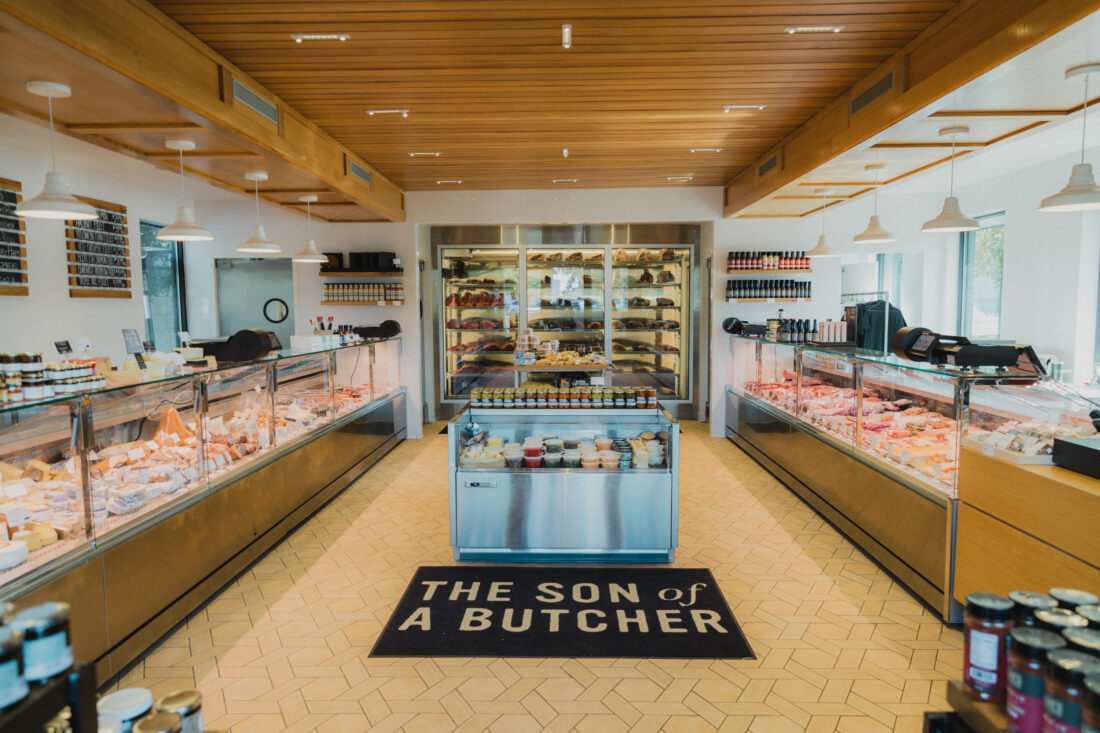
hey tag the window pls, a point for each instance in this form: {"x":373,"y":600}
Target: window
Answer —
{"x":981,"y":264}
{"x":163,"y":288}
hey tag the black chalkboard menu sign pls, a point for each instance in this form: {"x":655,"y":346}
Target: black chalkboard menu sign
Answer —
{"x":99,"y":253}
{"x":13,"y":241}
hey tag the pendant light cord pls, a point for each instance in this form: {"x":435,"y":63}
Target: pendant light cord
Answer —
{"x":183,"y":198}
{"x":1084,"y":118}
{"x":53,"y":150}
{"x":309,"y":224}
{"x":952,"y":165}
{"x":876,"y":192}
{"x":823,"y":207}
{"x":256,"y":191}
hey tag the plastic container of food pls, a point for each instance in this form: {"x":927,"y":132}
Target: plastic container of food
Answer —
{"x":532,"y":451}
{"x":552,"y":460}
{"x":604,"y":443}
{"x":554,"y":445}
{"x":532,"y":462}
{"x":571,"y":442}
{"x":590,"y":460}
{"x":571,"y":458}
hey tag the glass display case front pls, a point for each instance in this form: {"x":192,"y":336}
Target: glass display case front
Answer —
{"x":480,"y":318}
{"x":828,"y":393}
{"x":651,"y":299}
{"x":303,"y":395}
{"x":385,"y":368}
{"x":239,"y":424}
{"x":565,"y":298}
{"x":42,"y":510}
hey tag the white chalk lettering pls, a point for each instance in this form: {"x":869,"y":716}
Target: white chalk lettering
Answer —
{"x":548,"y":594}
{"x":499,"y":590}
{"x":475,"y":619}
{"x":666,"y":617}
{"x":471,"y":592}
{"x":524,"y":625}
{"x":432,"y":585}
{"x":582,"y":620}
{"x":581,"y":596}
{"x":421,"y":617}
{"x":555,"y":615}
{"x":703,"y":619}
{"x":630,"y":593}
{"x":638,"y":618}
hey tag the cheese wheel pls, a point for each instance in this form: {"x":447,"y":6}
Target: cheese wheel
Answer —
{"x":12,"y":553}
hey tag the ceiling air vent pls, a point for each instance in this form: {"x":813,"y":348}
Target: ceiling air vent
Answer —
{"x":768,"y":166}
{"x":255,"y":102}
{"x":872,"y":93}
{"x":359,"y":172}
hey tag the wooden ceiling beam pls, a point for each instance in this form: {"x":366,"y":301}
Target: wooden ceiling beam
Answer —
{"x":138,"y":41}
{"x":966,"y":42}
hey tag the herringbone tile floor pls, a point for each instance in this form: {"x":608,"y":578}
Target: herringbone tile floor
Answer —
{"x":840,"y":646}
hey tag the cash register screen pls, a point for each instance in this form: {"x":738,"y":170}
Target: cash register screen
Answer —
{"x":924,"y":343}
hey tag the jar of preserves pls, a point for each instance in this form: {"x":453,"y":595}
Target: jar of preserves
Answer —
{"x":1071,"y":598}
{"x":1027,"y":603}
{"x":475,"y":397}
{"x":1063,"y":711}
{"x":509,"y":397}
{"x":552,"y":397}
{"x":47,"y":645}
{"x":988,"y":621}
{"x":1090,"y":614}
{"x":541,"y":397}
{"x":597,"y":397}
{"x":1027,"y":663}
{"x":13,"y":687}
{"x":639,"y":396}
{"x":188,"y":705}
{"x":575,"y":397}
{"x":1083,"y":640}
{"x":585,"y":397}
{"x":6,"y":361}
{"x":1091,"y":700}
{"x":1057,"y":619}
{"x":498,"y":397}
{"x":33,"y":364}
{"x":650,"y":396}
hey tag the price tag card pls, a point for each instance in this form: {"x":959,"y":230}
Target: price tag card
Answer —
{"x":771,"y":300}
{"x":381,"y":302}
{"x":190,"y":473}
{"x":63,"y":347}
{"x":597,"y":381}
{"x":132,"y":341}
{"x":185,"y":337}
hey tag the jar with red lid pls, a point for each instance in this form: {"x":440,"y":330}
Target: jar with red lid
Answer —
{"x":1071,"y":598}
{"x":1091,"y":700}
{"x":1027,"y":663}
{"x":988,"y":621}
{"x":1027,"y":603}
{"x":1083,"y":639}
{"x":1067,"y":669}
{"x":1090,"y":614}
{"x":1057,"y":619}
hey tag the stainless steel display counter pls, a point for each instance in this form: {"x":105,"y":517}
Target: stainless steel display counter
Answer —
{"x":561,"y":514}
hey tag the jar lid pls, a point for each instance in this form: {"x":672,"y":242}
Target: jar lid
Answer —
{"x":1035,"y":643}
{"x":1091,"y":614}
{"x":127,"y":704}
{"x":41,"y":618}
{"x":1083,"y":639}
{"x":1091,"y":692}
{"x":1070,"y":667}
{"x":109,"y":724}
{"x":1071,"y":598}
{"x":182,"y":702}
{"x":159,"y":723}
{"x":10,"y":639}
{"x":989,"y":606}
{"x":1056,"y":619}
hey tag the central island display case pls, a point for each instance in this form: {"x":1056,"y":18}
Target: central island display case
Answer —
{"x":508,"y":507}
{"x":872,"y":442}
{"x":134,"y":503}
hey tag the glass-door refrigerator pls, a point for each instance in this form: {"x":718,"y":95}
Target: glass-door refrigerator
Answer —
{"x":480,"y":318}
{"x":651,"y":318}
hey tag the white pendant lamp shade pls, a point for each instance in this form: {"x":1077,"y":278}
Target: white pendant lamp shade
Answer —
{"x":951,"y":218}
{"x":258,"y":243}
{"x":1081,"y":193}
{"x":310,"y":253}
{"x":184,"y":228}
{"x":822,"y":248}
{"x":875,"y":233}
{"x":55,"y":201}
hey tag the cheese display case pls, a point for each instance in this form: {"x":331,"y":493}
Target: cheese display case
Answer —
{"x":871,"y":441}
{"x":569,"y":485}
{"x":197,"y":470}
{"x":1017,"y":423}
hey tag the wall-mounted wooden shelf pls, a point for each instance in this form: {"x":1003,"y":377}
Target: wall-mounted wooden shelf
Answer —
{"x":769,"y":272}
{"x":363,"y":302}
{"x":363,"y":273}
{"x":768,"y":300}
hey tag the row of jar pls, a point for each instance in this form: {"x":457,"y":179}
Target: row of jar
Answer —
{"x":545,"y":396}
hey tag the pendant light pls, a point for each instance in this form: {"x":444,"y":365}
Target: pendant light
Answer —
{"x":822,"y":249}
{"x":951,"y":219}
{"x":310,"y":253}
{"x":184,"y":228}
{"x":874,"y":234}
{"x":1081,"y":193}
{"x":258,"y":243}
{"x":55,"y":201}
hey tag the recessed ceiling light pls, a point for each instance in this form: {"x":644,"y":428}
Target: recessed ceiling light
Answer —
{"x":728,"y":107}
{"x":704,"y":150}
{"x":402,"y":112}
{"x":814,"y":29}
{"x":563,"y":180}
{"x":299,"y":37}
{"x":566,"y":35}
{"x":681,"y":178}
{"x":439,"y":183}
{"x":424,"y":155}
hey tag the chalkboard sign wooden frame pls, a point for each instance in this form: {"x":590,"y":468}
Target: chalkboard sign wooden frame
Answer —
{"x":99,"y":253}
{"x":13,"y":241}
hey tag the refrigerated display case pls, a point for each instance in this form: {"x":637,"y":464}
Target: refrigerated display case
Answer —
{"x":565,"y":299}
{"x":480,"y":318}
{"x":651,"y":298}
{"x":136,"y":502}
{"x":502,"y":510}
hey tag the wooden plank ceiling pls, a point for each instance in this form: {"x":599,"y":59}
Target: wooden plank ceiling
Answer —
{"x":488,"y":85}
